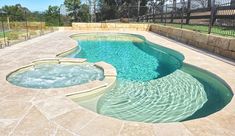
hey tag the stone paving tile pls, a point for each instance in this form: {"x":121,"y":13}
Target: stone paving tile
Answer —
{"x":225,"y":120}
{"x":6,"y":126}
{"x":13,"y":109}
{"x":34,"y":124}
{"x":206,"y":127}
{"x":75,"y":120}
{"x":63,"y":132}
{"x":3,"y":94}
{"x":55,"y":106}
{"x":171,"y":129}
{"x":21,"y":95}
{"x":136,"y":129}
{"x":102,"y":126}
{"x":42,"y":95}
{"x":230,"y":107}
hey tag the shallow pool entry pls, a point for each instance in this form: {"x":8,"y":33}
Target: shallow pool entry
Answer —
{"x":153,"y":84}
{"x":167,"y":99}
{"x":45,"y":76}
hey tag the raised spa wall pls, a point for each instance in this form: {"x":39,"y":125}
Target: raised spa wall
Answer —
{"x":81,"y":91}
{"x":224,"y":46}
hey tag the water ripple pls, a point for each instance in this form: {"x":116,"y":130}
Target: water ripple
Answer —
{"x":168,"y":99}
{"x":56,"y":75}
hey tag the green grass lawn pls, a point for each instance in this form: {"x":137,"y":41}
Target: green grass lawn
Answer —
{"x":224,"y":31}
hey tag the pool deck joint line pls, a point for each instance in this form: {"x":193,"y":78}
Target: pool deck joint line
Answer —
{"x":25,"y":111}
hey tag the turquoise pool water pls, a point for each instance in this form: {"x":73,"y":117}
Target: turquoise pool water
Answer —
{"x":153,"y":84}
{"x":56,"y":75}
{"x":130,"y":58}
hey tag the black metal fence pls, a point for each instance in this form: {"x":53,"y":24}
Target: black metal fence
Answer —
{"x":209,"y":16}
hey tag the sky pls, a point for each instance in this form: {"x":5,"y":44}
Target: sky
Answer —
{"x":33,"y":5}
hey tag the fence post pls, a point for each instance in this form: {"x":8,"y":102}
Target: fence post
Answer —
{"x":182,"y":14}
{"x":128,"y":12}
{"x":26,"y":25}
{"x":8,"y":23}
{"x":162,"y":8}
{"x":41,"y":27}
{"x":138,"y":13}
{"x":209,"y":4}
{"x":3,"y":30}
{"x":213,"y":11}
{"x":173,"y":12}
{"x":165,"y":14}
{"x":154,"y":12}
{"x":172,"y":16}
{"x":188,"y":12}
{"x":59,"y":17}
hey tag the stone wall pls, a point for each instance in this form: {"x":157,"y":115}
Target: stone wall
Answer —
{"x":110,"y":26}
{"x":224,"y":46}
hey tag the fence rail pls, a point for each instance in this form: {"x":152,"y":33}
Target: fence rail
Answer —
{"x":218,"y":18}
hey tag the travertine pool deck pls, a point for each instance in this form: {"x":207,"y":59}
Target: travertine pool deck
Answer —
{"x":30,"y":112}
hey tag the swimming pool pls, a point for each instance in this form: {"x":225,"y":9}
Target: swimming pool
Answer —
{"x":153,"y":83}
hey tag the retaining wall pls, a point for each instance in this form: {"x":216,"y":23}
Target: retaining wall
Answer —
{"x":224,"y":46}
{"x":110,"y":26}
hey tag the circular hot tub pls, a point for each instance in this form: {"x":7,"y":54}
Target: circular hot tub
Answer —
{"x":55,"y":74}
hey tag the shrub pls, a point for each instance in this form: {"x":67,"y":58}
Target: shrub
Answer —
{"x":33,"y":33}
{"x":13,"y":36}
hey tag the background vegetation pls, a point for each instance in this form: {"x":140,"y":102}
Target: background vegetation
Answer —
{"x":93,"y":11}
{"x":18,"y":17}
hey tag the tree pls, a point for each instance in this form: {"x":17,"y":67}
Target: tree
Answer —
{"x":93,"y":4}
{"x":52,"y":15}
{"x":73,"y":7}
{"x":107,"y":10}
{"x":16,"y":12}
{"x":112,"y":9}
{"x":35,"y":16}
{"x":200,"y":3}
{"x":83,"y":13}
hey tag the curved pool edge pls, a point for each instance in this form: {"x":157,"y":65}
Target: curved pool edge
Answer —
{"x":193,"y":59}
{"x":82,"y":90}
